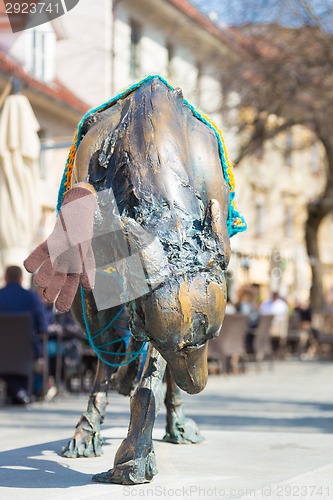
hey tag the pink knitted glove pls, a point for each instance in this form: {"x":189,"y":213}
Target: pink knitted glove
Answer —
{"x":66,"y":259}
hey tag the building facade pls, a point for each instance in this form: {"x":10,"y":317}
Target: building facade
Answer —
{"x":276,"y":185}
{"x":126,"y":40}
{"x":29,"y":58}
{"x":92,"y":53}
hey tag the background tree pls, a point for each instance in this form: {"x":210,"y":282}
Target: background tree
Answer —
{"x":284,"y":69}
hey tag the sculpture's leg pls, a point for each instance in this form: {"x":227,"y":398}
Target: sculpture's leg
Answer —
{"x":135,"y":460}
{"x":87,"y":440}
{"x":179,"y":429}
{"x":124,"y":380}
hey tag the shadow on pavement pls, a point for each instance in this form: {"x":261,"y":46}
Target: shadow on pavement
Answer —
{"x":255,"y":414}
{"x":257,"y":424}
{"x":37,"y":467}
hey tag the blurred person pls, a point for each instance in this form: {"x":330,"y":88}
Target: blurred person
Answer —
{"x":304,"y":315}
{"x":246,"y":306}
{"x":230,"y":308}
{"x":64,"y":340}
{"x":255,"y":288}
{"x":278,"y":307}
{"x":49,"y":312}
{"x":274,"y":305}
{"x":310,"y":333}
{"x":16,"y":299}
{"x":66,"y":330}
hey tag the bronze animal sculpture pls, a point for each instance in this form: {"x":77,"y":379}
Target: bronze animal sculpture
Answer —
{"x":149,"y":165}
{"x":87,"y":440}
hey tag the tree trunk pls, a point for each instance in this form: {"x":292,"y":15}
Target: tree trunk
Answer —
{"x":317,"y":300}
{"x":317,"y":211}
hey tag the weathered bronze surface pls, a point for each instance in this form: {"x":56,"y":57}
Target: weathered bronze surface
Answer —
{"x":87,"y":440}
{"x":179,"y":429}
{"x":163,"y":167}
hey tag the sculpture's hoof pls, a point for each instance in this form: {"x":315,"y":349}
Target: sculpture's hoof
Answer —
{"x":184,"y":431}
{"x":137,"y":471}
{"x":88,"y":446}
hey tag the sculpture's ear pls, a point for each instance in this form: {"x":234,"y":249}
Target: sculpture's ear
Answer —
{"x":86,"y":162}
{"x":216,"y":218}
{"x":89,"y":122}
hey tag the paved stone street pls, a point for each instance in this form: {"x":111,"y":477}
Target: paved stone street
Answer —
{"x":268,"y":434}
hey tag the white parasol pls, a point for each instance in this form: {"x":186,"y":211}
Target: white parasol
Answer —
{"x":20,"y":209}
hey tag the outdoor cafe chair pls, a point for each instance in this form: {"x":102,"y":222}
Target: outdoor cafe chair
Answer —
{"x":16,"y":349}
{"x":299,"y":334}
{"x":230,"y":345}
{"x":262,"y":340}
{"x":323,"y":325}
{"x":279,"y":335}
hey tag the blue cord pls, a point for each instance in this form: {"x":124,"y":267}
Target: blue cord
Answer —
{"x":98,"y":349}
{"x":109,"y":324}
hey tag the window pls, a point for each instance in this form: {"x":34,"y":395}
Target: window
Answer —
{"x":315,"y":159}
{"x":259,"y":218}
{"x":40,"y":53}
{"x":289,"y":148}
{"x":43,"y":155}
{"x":260,"y":152}
{"x":289,"y":222}
{"x":135,"y":49}
{"x":198,"y":84}
{"x":38,"y":63}
{"x":171,"y":54}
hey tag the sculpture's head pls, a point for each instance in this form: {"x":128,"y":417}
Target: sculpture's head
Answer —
{"x":180,"y":318}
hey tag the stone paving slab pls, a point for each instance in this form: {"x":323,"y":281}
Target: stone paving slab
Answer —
{"x":227,"y":464}
{"x":267,"y":435}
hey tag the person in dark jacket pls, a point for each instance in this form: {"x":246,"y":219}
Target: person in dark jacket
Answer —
{"x":16,"y":299}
